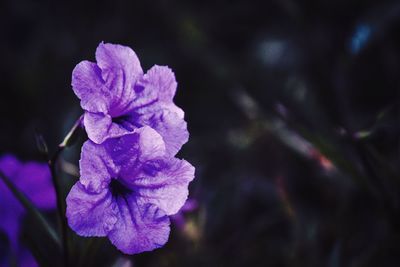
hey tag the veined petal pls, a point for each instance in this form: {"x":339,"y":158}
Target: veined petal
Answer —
{"x":96,"y":167}
{"x":170,"y":125}
{"x":124,"y":151}
{"x":115,"y":56}
{"x":151,"y":144}
{"x":157,"y":87}
{"x":129,"y":150}
{"x":162,"y":80}
{"x":120,"y":69}
{"x":164,"y":183}
{"x":100,"y":126}
{"x":90,"y":214}
{"x":90,"y":88}
{"x":140,"y":226}
{"x":154,"y":106}
{"x":155,"y":91}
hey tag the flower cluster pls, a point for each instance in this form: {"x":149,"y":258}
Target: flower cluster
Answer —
{"x":130,"y":181}
{"x":34,"y":180}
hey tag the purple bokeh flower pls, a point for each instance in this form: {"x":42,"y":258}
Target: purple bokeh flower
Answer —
{"x":118,"y":98}
{"x":129,"y":185}
{"x":34,"y":180}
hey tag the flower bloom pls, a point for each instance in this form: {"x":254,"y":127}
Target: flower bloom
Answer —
{"x":34,"y":180}
{"x":129,"y":186}
{"x":118,"y":98}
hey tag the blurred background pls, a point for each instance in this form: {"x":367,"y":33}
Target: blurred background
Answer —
{"x":292,"y":107}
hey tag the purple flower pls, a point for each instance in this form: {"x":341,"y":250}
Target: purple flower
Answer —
{"x":34,"y":180}
{"x":118,"y":98}
{"x":129,"y":185}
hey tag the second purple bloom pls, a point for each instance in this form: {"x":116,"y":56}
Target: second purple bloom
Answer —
{"x":118,"y":98}
{"x":129,"y":185}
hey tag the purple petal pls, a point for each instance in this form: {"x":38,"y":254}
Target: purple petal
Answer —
{"x":143,"y":167}
{"x":190,"y":205}
{"x":34,"y":179}
{"x":170,"y":126}
{"x":123,"y":150}
{"x":120,"y":69}
{"x":179,"y":220}
{"x":156,"y":87}
{"x":128,"y":150}
{"x":10,"y":220}
{"x":90,"y":88}
{"x":31,"y":178}
{"x":140,"y":227}
{"x":10,"y":209}
{"x":164,"y":183}
{"x":100,"y":126}
{"x":96,"y":167}
{"x":162,"y":80}
{"x":90,"y":214}
{"x":151,"y":144}
{"x":9,"y":165}
{"x":154,"y":107}
{"x":26,"y":259}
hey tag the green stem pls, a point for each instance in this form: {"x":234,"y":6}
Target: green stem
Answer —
{"x":60,"y":196}
{"x":60,"y":204}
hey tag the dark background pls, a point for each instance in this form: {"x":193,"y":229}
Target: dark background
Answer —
{"x":292,"y":106}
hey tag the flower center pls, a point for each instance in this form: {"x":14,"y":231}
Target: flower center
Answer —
{"x":117,"y":188}
{"x":126,"y":121}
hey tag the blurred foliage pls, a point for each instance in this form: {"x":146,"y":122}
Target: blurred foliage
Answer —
{"x":292,"y":106}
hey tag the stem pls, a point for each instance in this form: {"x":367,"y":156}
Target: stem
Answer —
{"x":71,"y":132}
{"x":60,"y":197}
{"x":60,"y":204}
